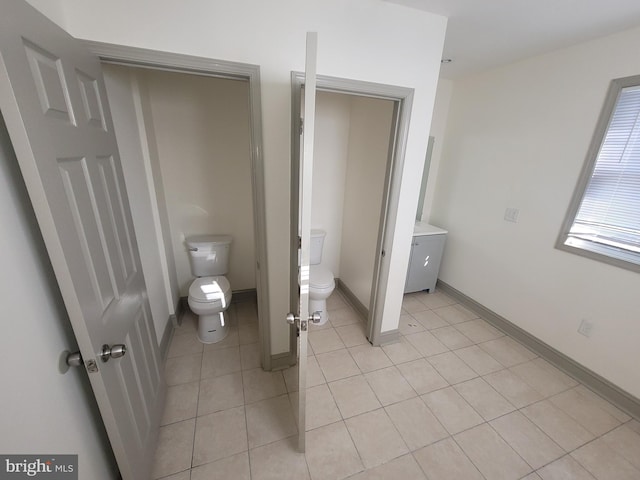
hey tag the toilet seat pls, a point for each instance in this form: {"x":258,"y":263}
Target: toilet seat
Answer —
{"x":211,"y":290}
{"x":320,"y":278}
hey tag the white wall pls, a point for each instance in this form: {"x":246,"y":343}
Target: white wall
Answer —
{"x":330,"y":153}
{"x":517,"y":136}
{"x":359,"y":39}
{"x":41,"y":410}
{"x":201,"y":126}
{"x":369,"y":136}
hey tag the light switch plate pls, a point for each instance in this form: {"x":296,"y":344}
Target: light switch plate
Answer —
{"x":511,"y":215}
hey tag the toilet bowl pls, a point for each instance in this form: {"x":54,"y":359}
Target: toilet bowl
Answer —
{"x":209,"y":298}
{"x":321,"y":281}
{"x":210,"y":292}
{"x":321,"y":285}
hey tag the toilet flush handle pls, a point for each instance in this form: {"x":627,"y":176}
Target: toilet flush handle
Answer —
{"x":193,"y":249}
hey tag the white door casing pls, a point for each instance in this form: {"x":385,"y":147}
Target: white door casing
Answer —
{"x":53,"y":99}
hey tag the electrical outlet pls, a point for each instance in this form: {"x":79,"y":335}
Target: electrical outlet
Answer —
{"x":511,"y":215}
{"x":585,"y":328}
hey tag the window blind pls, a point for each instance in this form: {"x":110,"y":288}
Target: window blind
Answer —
{"x":609,"y":213}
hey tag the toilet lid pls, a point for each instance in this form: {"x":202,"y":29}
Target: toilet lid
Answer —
{"x":208,"y":289}
{"x":320,"y":277}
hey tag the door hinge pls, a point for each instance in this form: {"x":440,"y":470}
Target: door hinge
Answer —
{"x":299,"y":242}
{"x":301,"y":126}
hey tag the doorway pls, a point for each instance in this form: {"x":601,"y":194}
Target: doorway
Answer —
{"x":399,"y":100}
{"x":201,"y":69}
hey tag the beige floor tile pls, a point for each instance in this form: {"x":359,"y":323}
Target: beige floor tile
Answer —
{"x":480,"y":361}
{"x":248,"y":333}
{"x":250,"y":356}
{"x":210,"y":445}
{"x":331,"y":454}
{"x":408,"y":325}
{"x":181,"y":403}
{"x":353,"y":396}
{"x":586,"y":412}
{"x":540,"y":379}
{"x":278,"y":461}
{"x":175,"y":444}
{"x":435,"y":299}
{"x":259,"y":385}
{"x":429,"y":319}
{"x":507,"y":351}
{"x":188,"y":325}
{"x":566,"y":379}
{"x":426,"y":343}
{"x":335,"y":301}
{"x":562,"y":429}
{"x":337,"y":365}
{"x":478,"y":330}
{"x":183,"y":369}
{"x":626,"y":442}
{"x":389,"y":385}
{"x":344,"y":316}
{"x":411,"y":304}
{"x":491,"y":454}
{"x":221,"y":362}
{"x":451,"y":337}
{"x":231,"y":340}
{"x":220,"y":393}
{"x":416,"y":424}
{"x":452,"y":410}
{"x":452,"y":369}
{"x":565,"y":468}
{"x":402,"y":468}
{"x":352,"y":335}
{"x":532,"y":476}
{"x":401,"y":351}
{"x":184,"y":345}
{"x":186,"y":475}
{"x":604,"y":463}
{"x":321,"y":408}
{"x":246,"y":312}
{"x":422,"y":376}
{"x":484,"y":399}
{"x":513,"y":388}
{"x":314,"y":375}
{"x":236,"y":467}
{"x":270,"y":420}
{"x":454,"y":314}
{"x":375,"y":438}
{"x":325,"y":340}
{"x":446,"y":461}
{"x":601,"y":402}
{"x":369,"y":358}
{"x":531,"y":443}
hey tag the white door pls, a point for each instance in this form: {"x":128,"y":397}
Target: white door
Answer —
{"x":304,"y":229}
{"x":54,"y":103}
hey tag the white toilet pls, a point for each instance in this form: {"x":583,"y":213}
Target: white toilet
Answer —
{"x":210,"y":293}
{"x":321,"y":282}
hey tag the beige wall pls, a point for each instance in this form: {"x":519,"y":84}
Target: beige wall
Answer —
{"x":201,"y":126}
{"x":517,"y":137}
{"x":330,"y":154}
{"x":368,"y":152}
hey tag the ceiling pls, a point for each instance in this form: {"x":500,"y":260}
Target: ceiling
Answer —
{"x":482,"y":34}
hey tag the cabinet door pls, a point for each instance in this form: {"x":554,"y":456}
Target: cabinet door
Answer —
{"x":426,"y":253}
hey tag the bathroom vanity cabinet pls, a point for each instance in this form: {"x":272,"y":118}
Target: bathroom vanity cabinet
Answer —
{"x":426,"y":253}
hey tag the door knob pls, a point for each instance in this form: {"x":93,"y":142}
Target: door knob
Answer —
{"x":292,"y":318}
{"x":116,"y":351}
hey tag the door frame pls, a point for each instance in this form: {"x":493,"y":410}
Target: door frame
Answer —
{"x":179,"y":63}
{"x":402,"y":99}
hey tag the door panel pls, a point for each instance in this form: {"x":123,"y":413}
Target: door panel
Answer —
{"x":53,"y":100}
{"x":305,"y":180}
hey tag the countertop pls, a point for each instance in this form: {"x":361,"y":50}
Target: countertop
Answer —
{"x":423,"y":228}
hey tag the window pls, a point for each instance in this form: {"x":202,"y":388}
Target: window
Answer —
{"x":603,"y":221}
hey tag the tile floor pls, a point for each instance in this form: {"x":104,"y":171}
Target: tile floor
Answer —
{"x":454,"y":399}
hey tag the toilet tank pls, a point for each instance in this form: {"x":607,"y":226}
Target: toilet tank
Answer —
{"x":317,"y":242}
{"x":209,"y":254}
